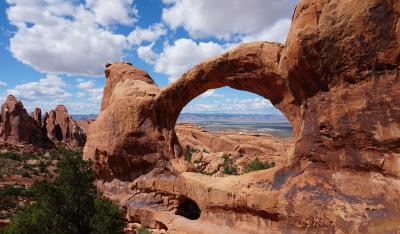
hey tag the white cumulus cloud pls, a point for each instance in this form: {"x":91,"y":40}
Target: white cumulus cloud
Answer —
{"x":249,"y":105}
{"x":211,"y":93}
{"x":175,"y":59}
{"x":147,"y":54}
{"x":150,"y":34}
{"x":225,"y":19}
{"x":231,"y":21}
{"x":277,"y":33}
{"x":51,"y":87}
{"x":90,"y":88}
{"x":116,"y":11}
{"x":67,"y":37}
{"x":52,"y":90}
{"x":3,"y":84}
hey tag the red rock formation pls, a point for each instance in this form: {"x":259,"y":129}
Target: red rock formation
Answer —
{"x":37,"y":116}
{"x":62,"y":128}
{"x":85,"y":124}
{"x":128,"y":116}
{"x":139,"y":117}
{"x":16,"y":125}
{"x":341,"y":72}
{"x":208,"y":149}
{"x":119,"y":73}
{"x":336,"y":80}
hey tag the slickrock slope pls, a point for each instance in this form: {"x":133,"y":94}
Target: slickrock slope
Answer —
{"x":336,"y":80}
{"x":17,"y":126}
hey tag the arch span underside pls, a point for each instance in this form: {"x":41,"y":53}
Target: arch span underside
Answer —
{"x":252,"y":67}
{"x":144,"y":116}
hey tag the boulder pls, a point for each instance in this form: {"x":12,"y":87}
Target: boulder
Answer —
{"x":197,"y":156}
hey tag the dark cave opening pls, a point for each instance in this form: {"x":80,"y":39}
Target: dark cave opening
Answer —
{"x":188,"y":209}
{"x":59,"y":134}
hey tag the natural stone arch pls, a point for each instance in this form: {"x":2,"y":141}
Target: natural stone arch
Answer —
{"x":250,"y":67}
{"x":310,"y":79}
{"x":146,"y":136}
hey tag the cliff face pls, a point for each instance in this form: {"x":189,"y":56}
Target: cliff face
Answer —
{"x":336,"y":80}
{"x":342,"y":63}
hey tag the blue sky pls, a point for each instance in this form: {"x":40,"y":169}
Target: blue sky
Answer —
{"x":53,"y":51}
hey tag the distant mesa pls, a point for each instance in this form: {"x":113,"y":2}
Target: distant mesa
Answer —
{"x":55,"y":127}
{"x":84,"y":117}
{"x":198,"y":117}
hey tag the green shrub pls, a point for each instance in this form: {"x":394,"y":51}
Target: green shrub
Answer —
{"x":11,"y":155}
{"x":189,"y":152}
{"x":143,"y":230}
{"x":9,"y":197}
{"x":256,"y":165}
{"x":42,"y":165}
{"x":26,"y":174}
{"x":205,"y":151}
{"x":107,"y":217}
{"x":69,"y":204}
{"x":207,"y":173}
{"x":28,"y":156}
{"x":9,"y":166}
{"x":226,"y":158}
{"x":229,"y":168}
{"x":11,"y":191}
{"x":27,"y":166}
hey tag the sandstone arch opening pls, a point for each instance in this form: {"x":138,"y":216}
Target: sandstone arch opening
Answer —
{"x":226,"y":131}
{"x":252,"y":67}
{"x":188,"y":209}
{"x":231,"y":110}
